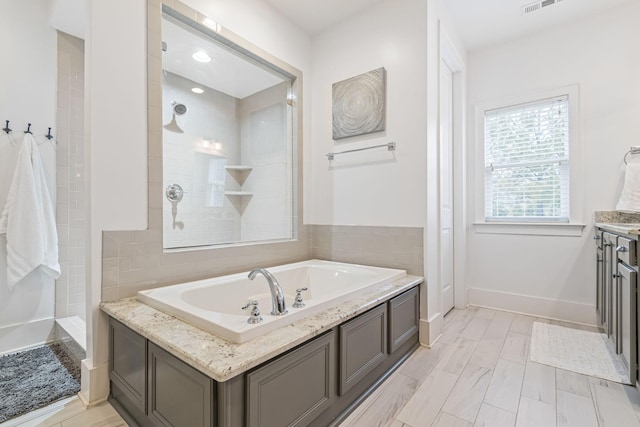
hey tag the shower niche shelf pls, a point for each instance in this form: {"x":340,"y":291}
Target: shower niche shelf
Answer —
{"x":238,"y":193}
{"x":239,"y":172}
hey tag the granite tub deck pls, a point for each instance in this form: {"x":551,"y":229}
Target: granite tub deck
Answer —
{"x":618,"y":222}
{"x":223,"y":360}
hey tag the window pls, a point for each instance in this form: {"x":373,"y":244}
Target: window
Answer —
{"x":526,"y":153}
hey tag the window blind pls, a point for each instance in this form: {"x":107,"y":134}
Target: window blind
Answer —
{"x":527,"y":162}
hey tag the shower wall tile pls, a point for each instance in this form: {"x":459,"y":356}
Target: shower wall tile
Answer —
{"x":70,"y":207}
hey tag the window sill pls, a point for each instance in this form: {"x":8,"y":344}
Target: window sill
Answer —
{"x":533,"y":229}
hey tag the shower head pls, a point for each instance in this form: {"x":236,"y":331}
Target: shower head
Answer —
{"x":173,"y":125}
{"x":179,"y":109}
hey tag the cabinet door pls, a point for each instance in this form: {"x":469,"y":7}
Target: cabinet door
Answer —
{"x":363,"y":346}
{"x":403,"y":318}
{"x":127,"y":363}
{"x":294,"y":389}
{"x":627,"y":328}
{"x":178,"y":394}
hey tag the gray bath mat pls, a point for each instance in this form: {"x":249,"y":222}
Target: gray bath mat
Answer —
{"x":32,"y":379}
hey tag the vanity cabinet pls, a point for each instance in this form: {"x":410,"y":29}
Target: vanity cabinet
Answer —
{"x":315,"y":384}
{"x":617,"y":297}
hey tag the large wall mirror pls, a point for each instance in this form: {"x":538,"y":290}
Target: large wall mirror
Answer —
{"x":230,"y":138}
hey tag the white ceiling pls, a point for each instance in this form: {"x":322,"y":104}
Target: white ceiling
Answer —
{"x":479,"y":23}
{"x":315,"y":16}
{"x":226,"y":72}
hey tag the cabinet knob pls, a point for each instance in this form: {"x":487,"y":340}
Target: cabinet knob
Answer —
{"x":621,"y":248}
{"x":615,"y":275}
{"x":596,"y":237}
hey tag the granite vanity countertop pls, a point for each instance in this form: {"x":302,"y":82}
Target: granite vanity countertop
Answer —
{"x":618,"y":222}
{"x":223,"y":360}
{"x":632,"y":228}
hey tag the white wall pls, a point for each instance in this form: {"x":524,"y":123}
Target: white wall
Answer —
{"x":27,"y":95}
{"x":116,"y":126}
{"x":376,"y":187}
{"x":550,"y":275}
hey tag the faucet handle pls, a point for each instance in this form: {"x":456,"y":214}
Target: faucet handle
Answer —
{"x":298,"y":302}
{"x":249,"y":304}
{"x":255,"y":316}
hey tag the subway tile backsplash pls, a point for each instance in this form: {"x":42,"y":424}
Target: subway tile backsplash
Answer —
{"x":134,"y":260}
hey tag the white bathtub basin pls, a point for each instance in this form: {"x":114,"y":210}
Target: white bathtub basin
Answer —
{"x":215,"y":304}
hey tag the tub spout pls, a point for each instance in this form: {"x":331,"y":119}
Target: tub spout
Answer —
{"x":278,"y":306}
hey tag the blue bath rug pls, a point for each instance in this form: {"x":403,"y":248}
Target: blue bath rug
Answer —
{"x":32,"y":379}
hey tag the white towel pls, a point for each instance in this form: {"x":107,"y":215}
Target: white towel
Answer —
{"x":28,"y":219}
{"x":630,"y":197}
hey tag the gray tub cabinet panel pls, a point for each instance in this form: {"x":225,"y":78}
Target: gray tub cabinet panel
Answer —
{"x":403,"y":319}
{"x":231,"y":402}
{"x":316,"y":384}
{"x":127,"y":364}
{"x":293,"y":389}
{"x":178,"y":394}
{"x":363,"y":346}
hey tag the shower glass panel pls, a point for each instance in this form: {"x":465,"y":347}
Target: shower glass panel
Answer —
{"x":227,"y":141}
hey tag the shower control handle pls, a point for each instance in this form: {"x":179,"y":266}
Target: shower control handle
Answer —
{"x":174,"y":193}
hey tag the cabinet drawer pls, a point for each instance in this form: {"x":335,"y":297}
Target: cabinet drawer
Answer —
{"x":363,"y":346}
{"x":127,"y":363}
{"x":627,"y":251}
{"x":294,"y":389}
{"x":403,"y":319}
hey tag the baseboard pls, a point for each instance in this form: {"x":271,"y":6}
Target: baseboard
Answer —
{"x":534,"y":306}
{"x":430,"y":330}
{"x":94,"y":387}
{"x":26,"y":335}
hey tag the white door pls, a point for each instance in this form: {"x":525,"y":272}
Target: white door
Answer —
{"x":446,"y":186}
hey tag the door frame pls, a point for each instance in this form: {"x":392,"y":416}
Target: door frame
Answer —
{"x":450,"y":56}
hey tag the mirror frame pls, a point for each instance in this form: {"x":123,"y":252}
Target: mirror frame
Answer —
{"x":193,"y":18}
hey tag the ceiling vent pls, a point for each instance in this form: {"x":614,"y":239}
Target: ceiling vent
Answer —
{"x":537,"y":5}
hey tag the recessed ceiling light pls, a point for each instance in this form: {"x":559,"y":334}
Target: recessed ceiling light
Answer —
{"x":197,"y":90}
{"x":201,"y":56}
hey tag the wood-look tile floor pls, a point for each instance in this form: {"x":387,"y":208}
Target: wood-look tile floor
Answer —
{"x":477,"y":374}
{"x":69,"y":412}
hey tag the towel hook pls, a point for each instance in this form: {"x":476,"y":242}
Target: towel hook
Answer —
{"x":28,"y":129}
{"x":6,"y":127}
{"x":48,"y":135}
